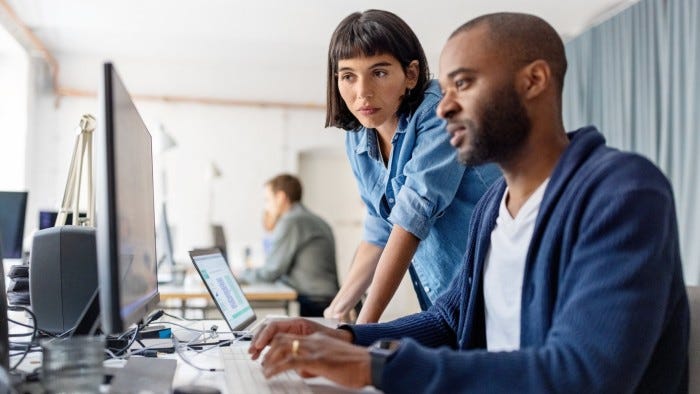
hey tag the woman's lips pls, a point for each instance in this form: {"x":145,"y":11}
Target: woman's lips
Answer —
{"x":368,"y":111}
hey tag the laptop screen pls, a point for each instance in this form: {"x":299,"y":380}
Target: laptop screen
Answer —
{"x":223,"y":288}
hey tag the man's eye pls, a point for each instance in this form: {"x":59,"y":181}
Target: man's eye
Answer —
{"x":462,"y":83}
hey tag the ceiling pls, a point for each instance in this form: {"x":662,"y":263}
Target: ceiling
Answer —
{"x":252,"y":35}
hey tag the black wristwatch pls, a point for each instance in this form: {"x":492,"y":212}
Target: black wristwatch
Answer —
{"x":380,"y":352}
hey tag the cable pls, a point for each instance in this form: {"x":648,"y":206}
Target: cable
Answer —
{"x":204,"y":330}
{"x":176,"y":317}
{"x":40,"y":331}
{"x":19,"y":335}
{"x":179,"y":351}
{"x":131,"y":342}
{"x":155,"y":316}
{"x":20,"y":323}
{"x":34,"y":331}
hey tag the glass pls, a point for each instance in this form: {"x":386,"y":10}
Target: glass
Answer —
{"x":73,"y":365}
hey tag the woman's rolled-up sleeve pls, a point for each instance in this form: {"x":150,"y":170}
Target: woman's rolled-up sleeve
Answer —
{"x":432,"y":178}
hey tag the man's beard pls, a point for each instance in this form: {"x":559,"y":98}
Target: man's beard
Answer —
{"x":504,"y":126}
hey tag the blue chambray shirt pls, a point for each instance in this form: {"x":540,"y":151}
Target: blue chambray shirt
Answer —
{"x":423,"y":189}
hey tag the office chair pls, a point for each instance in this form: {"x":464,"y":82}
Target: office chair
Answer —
{"x":694,"y":343}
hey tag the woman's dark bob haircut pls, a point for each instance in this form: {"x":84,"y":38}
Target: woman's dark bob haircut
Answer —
{"x":370,"y":33}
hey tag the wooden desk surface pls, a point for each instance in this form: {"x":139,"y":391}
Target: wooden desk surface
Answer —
{"x":253,"y":292}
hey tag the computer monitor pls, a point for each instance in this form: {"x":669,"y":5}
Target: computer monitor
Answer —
{"x":13,"y":207}
{"x":47,"y":219}
{"x":217,"y":232}
{"x":125,"y":231}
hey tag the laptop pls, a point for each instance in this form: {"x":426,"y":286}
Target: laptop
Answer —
{"x":224,"y":289}
{"x":242,"y":374}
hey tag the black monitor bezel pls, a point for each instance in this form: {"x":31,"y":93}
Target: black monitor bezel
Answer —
{"x":107,"y":240}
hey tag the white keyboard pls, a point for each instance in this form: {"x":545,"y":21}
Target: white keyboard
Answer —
{"x":244,"y":375}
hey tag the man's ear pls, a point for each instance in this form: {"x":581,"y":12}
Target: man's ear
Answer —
{"x":534,"y":78}
{"x":280,"y":196}
{"x":412,"y":71}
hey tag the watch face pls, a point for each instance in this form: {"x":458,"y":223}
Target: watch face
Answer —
{"x":386,"y":347}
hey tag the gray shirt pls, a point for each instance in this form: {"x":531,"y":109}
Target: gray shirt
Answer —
{"x":302,"y":255}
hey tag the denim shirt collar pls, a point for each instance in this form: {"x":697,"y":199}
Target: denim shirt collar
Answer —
{"x":369,"y":139}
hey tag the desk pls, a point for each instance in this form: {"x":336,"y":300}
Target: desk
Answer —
{"x":258,"y":294}
{"x":188,"y":375}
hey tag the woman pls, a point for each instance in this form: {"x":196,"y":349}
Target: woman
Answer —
{"x":419,"y":198}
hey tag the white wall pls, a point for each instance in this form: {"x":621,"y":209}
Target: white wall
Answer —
{"x":14,"y":83}
{"x":249,"y":145}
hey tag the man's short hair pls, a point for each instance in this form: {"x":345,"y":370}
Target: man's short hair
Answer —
{"x":525,"y":38}
{"x":288,"y":184}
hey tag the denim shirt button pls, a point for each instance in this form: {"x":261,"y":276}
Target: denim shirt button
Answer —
{"x":391,"y":200}
{"x":469,"y":279}
{"x":427,"y":289}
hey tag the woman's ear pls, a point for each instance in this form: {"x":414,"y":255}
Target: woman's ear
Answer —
{"x":412,"y":71}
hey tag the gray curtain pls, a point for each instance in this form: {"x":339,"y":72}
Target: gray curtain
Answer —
{"x":637,"y":77}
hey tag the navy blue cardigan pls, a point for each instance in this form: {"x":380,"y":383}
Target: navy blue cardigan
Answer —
{"x":604,"y":307}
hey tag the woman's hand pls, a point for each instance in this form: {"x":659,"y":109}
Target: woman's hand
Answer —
{"x":348,"y":315}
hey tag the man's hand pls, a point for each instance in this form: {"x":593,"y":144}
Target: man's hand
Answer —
{"x":319,"y":355}
{"x":300,"y":327}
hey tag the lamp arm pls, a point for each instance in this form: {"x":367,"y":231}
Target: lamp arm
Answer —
{"x":81,"y":159}
{"x":68,"y":191}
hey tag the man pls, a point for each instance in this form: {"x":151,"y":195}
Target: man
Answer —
{"x":572,"y":279}
{"x":302,"y":248}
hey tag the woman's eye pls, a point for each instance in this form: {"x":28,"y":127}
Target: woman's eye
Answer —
{"x":346,"y":77}
{"x":380,"y":73}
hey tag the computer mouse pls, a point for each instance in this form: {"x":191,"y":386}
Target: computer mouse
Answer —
{"x":196,"y":389}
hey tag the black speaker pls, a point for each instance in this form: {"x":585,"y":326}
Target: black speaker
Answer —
{"x":62,"y":275}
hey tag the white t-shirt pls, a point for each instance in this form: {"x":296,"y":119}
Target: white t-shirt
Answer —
{"x":504,"y":269}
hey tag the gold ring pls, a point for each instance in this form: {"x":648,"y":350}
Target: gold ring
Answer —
{"x":295,"y":348}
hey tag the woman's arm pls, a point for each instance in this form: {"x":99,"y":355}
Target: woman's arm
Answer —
{"x":358,"y":280}
{"x":391,"y":268}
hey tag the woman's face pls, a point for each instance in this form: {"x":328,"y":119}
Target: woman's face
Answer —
{"x":372,"y":87}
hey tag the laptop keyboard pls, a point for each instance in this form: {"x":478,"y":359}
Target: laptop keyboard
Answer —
{"x":244,"y":375}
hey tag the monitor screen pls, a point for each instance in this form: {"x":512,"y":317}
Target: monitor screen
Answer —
{"x":13,"y":206}
{"x":126,"y":251}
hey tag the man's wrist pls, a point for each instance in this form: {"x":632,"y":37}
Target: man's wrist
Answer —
{"x":345,"y":333}
{"x":381,"y":352}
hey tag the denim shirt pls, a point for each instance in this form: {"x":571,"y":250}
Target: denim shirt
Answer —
{"x":423,"y":189}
